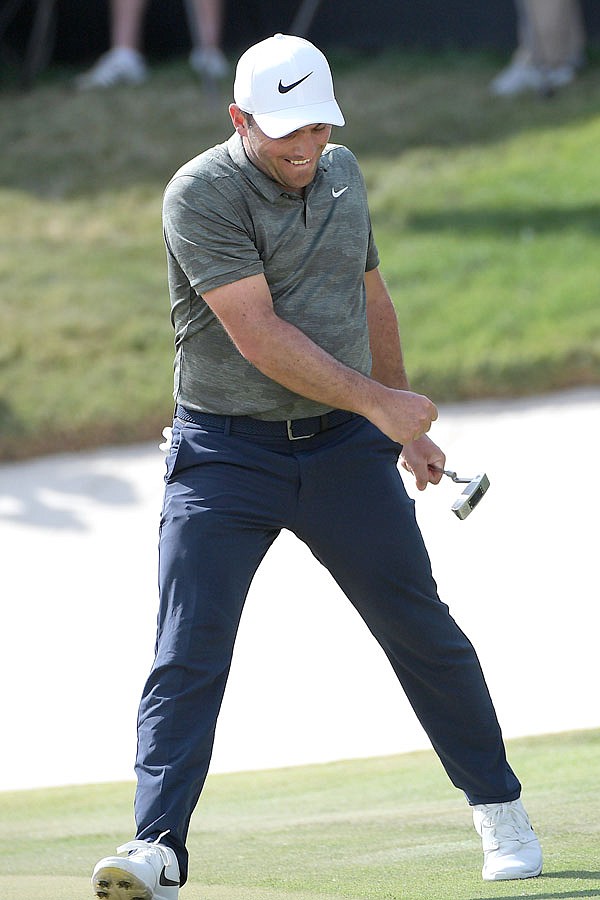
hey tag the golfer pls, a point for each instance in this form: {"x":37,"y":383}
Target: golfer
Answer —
{"x":292,"y":411}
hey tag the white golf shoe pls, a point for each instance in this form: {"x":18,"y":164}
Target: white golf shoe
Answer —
{"x":148,"y":872}
{"x":510,"y":846}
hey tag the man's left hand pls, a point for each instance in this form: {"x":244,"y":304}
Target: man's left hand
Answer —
{"x":423,"y":459}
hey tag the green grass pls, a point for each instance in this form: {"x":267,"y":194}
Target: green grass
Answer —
{"x":486,"y":213}
{"x":389,"y":828}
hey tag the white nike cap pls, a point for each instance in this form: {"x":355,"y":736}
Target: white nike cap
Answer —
{"x":285,"y":82}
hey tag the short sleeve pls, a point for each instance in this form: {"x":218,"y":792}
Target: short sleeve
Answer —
{"x":207,"y":235}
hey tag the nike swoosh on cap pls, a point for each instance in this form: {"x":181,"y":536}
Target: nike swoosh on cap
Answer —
{"x":166,"y":882}
{"x":339,"y":193}
{"x":284,"y":88}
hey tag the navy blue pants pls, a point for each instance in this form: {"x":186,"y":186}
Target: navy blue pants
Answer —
{"x":226,"y":499}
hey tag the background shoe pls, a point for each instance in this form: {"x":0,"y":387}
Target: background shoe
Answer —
{"x":210,"y":62}
{"x":148,"y":872}
{"x":521,"y":77}
{"x":516,"y":79}
{"x":510,"y":847}
{"x":561,"y":76}
{"x":119,"y":66}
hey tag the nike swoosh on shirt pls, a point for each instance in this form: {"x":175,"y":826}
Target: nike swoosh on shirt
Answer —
{"x":166,"y":882}
{"x":284,"y":88}
{"x":339,"y":193}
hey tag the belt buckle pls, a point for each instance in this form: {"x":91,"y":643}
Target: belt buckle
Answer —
{"x":296,"y":437}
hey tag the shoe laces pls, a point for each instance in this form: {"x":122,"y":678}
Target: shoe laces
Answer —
{"x":507,"y":821}
{"x":144,"y":846}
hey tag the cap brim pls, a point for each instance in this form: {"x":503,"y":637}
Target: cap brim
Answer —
{"x":278,"y":123}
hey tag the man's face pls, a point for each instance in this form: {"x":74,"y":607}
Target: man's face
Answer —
{"x":292,"y":160}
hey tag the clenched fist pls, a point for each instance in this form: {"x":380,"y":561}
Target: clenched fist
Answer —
{"x":403,"y":415}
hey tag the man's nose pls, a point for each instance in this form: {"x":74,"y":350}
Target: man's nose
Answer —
{"x":305,"y":147}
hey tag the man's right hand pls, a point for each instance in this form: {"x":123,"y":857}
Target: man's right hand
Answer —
{"x":403,"y":415}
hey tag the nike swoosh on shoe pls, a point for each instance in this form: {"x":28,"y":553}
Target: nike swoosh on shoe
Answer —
{"x":166,"y":882}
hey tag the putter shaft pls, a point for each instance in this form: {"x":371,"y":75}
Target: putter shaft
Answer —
{"x":452,"y":475}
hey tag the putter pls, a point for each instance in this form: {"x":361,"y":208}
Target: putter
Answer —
{"x":472,"y":494}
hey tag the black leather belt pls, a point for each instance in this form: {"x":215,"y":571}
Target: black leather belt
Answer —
{"x":293,"y":429}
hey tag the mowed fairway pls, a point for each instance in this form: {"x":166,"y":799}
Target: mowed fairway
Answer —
{"x":389,"y":828}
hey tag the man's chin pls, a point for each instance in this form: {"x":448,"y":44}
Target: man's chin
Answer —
{"x":297,"y":180}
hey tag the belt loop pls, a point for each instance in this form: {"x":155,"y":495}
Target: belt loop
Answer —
{"x":227,"y":427}
{"x":323,"y":422}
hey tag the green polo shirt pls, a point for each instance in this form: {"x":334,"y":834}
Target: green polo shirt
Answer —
{"x":225,"y":220}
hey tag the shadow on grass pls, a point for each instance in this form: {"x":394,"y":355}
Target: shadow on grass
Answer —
{"x":52,"y":493}
{"x":561,"y":895}
{"x":573,"y":874}
{"x":557,"y":895}
{"x":542,"y":220}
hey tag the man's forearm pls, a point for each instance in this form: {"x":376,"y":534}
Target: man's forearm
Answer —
{"x":384,"y":337}
{"x":285,"y":354}
{"x":282,"y":352}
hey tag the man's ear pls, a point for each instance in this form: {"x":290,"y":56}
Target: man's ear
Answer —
{"x":239,"y":119}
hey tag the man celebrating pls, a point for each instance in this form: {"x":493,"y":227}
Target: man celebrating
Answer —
{"x":293,"y":408}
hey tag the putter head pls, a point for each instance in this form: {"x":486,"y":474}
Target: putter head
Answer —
{"x":471,"y":496}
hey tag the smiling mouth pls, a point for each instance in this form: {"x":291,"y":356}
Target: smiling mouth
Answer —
{"x":299,"y":162}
